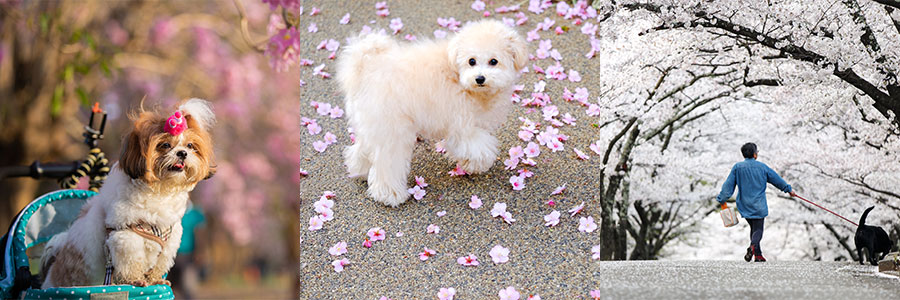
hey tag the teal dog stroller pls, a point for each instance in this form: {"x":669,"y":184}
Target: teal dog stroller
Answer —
{"x":43,"y":218}
{"x":52,"y":214}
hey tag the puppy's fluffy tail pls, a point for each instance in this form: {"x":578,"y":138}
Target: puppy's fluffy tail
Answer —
{"x":49,"y":255}
{"x":862,"y":220}
{"x":361,"y":50}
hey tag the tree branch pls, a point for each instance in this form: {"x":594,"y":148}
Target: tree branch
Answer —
{"x":616,"y":139}
{"x":885,"y":103}
{"x":891,"y":3}
{"x":245,"y":30}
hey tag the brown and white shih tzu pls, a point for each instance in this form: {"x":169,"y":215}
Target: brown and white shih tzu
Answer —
{"x":130,"y":231}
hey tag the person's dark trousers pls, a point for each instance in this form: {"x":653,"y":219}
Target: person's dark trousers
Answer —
{"x":756,"y":233}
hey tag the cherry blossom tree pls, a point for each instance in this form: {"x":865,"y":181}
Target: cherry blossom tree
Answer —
{"x":830,"y":67}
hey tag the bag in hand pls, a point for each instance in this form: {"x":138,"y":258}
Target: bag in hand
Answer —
{"x":729,"y":217}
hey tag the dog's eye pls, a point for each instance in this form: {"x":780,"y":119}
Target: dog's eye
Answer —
{"x":165,"y":146}
{"x":493,"y":62}
{"x":190,"y":146}
{"x":471,"y":61}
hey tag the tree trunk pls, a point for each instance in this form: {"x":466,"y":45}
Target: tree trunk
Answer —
{"x":608,"y":230}
{"x":622,"y":229}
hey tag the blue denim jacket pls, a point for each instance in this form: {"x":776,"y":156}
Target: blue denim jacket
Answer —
{"x":751,"y":177}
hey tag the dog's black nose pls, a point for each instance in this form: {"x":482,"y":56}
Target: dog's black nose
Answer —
{"x":181,"y":153}
{"x":479,"y":79}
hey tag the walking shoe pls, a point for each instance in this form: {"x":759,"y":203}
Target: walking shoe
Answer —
{"x":749,"y":255}
{"x":760,"y":258}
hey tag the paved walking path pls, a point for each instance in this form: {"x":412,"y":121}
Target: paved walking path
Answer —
{"x":553,"y":262}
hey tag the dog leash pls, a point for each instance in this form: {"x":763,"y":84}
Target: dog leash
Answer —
{"x":819,"y":206}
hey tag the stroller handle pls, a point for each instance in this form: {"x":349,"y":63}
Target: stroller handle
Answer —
{"x":37,"y":170}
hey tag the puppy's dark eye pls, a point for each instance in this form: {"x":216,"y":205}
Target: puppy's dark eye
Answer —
{"x":165,"y":145}
{"x":493,"y":62}
{"x":471,"y":61}
{"x":190,"y":146}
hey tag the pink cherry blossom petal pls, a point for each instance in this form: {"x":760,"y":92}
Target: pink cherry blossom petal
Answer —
{"x":470,"y":260}
{"x":525,"y":135}
{"x":417,"y":192}
{"x":478,"y":5}
{"x":532,"y":150}
{"x":511,"y":163}
{"x":446,"y":293}
{"x":498,"y":209}
{"x":576,"y":209}
{"x":516,"y":152}
{"x":427,"y":253}
{"x":580,"y":154}
{"x":499,"y":254}
{"x":596,"y":148}
{"x":524,"y":172}
{"x":559,"y":190}
{"x":326,"y":214}
{"x":574,"y":76}
{"x":458,"y":171}
{"x":340,"y":264}
{"x":330,"y":138}
{"x":475,"y":202}
{"x":420,"y":182}
{"x":338,"y":249}
{"x":517,"y":182}
{"x":433,"y":229}
{"x":376,"y":234}
{"x":336,"y":112}
{"x":315,"y":223}
{"x":552,"y":219}
{"x":320,"y":146}
{"x":345,"y":19}
{"x":396,"y":25}
{"x":509,"y":293}
{"x":586,"y":224}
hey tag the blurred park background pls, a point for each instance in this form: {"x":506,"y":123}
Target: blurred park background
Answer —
{"x":58,"y":57}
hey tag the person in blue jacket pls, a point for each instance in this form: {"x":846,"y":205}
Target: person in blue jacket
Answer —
{"x":751,"y":176}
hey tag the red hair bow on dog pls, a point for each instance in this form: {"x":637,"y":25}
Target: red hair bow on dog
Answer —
{"x":175,"y":125}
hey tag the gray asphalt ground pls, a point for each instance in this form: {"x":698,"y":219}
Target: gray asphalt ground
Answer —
{"x":553,"y":262}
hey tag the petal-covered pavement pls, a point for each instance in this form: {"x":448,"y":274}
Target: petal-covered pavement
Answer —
{"x":495,"y":234}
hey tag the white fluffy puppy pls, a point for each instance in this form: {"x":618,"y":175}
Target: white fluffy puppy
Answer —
{"x":456,"y":90}
{"x":130,"y":231}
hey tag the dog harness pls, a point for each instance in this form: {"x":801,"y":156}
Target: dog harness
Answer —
{"x":147,"y":231}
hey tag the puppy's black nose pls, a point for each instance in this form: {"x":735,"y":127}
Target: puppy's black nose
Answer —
{"x":479,"y":79}
{"x":181,"y":153}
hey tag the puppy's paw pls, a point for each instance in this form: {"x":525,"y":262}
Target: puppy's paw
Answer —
{"x":475,"y":152}
{"x":476,"y":166}
{"x":139,"y":283}
{"x":161,"y":281}
{"x":357,"y":164}
{"x":388,"y":196}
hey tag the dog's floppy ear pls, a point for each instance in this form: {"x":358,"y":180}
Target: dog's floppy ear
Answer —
{"x":211,"y":171}
{"x":138,"y":152}
{"x":518,"y":49}
{"x":452,"y":52}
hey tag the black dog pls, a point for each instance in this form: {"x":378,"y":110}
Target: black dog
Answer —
{"x":873,"y":239}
